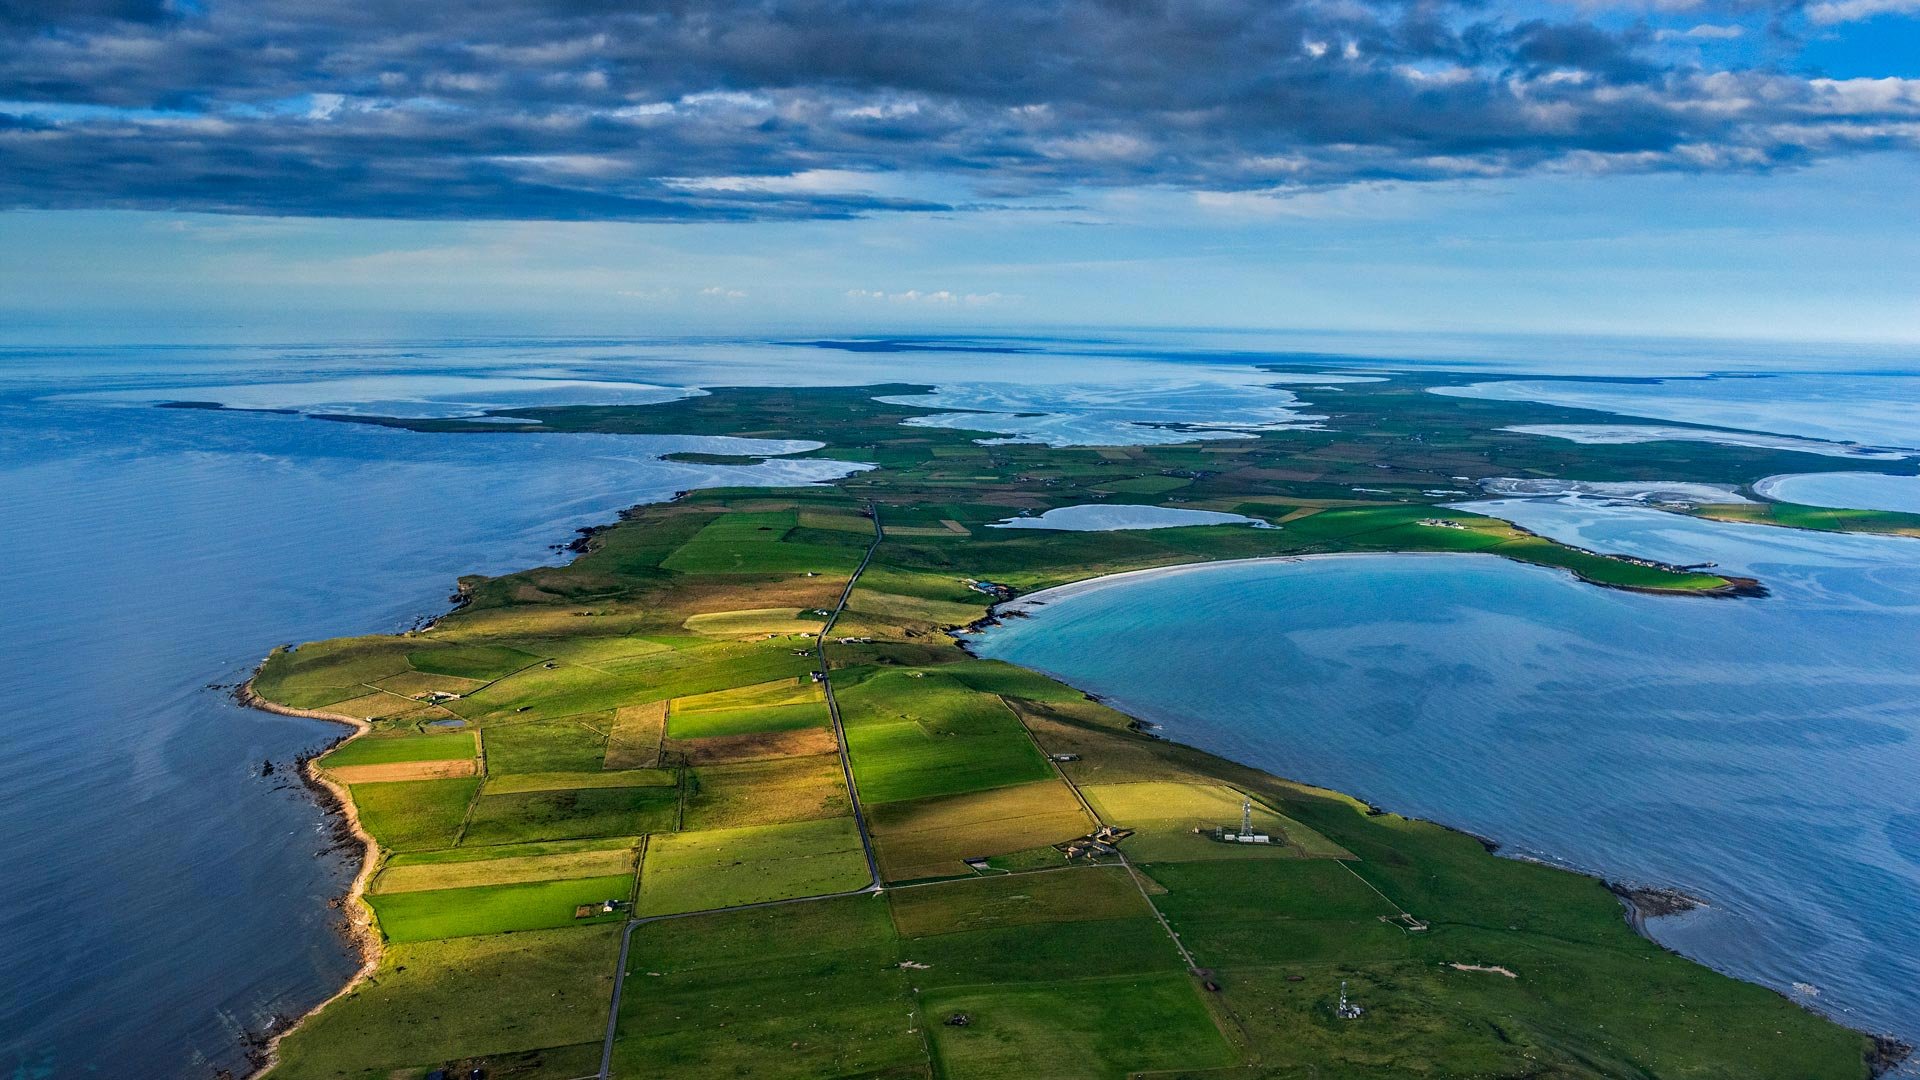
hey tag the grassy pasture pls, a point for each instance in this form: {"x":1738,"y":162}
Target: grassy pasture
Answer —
{"x":389,"y":749}
{"x":569,"y":814}
{"x":509,"y":783}
{"x":324,"y":672}
{"x":757,"y":746}
{"x":1145,"y":485}
{"x":1166,"y":813}
{"x":634,"y":742}
{"x":751,"y":543}
{"x":481,"y":663}
{"x":410,"y":815}
{"x":1097,"y":1029}
{"x":759,"y":695}
{"x":754,"y":622}
{"x":798,"y":992}
{"x":929,"y":838}
{"x":888,"y":606}
{"x":696,"y":871}
{"x":1061,"y":970}
{"x":576,"y":744}
{"x":494,"y":909}
{"x":1821,"y":518}
{"x":915,"y":737}
{"x":1275,"y":911}
{"x":424,"y":1005}
{"x":715,"y":723}
{"x":616,"y":857}
{"x":1042,"y":952}
{"x":766,"y":792}
{"x":404,"y":770}
{"x":1080,"y":893}
{"x":413,"y":684}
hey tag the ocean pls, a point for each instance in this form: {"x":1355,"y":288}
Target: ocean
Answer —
{"x":164,"y":895}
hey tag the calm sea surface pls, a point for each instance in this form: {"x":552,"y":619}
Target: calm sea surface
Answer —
{"x":160,"y":896}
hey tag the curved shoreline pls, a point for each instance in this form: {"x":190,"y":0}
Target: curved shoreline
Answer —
{"x":1640,"y":902}
{"x":335,"y":801}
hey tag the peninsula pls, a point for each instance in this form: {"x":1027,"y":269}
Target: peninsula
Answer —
{"x":725,"y":796}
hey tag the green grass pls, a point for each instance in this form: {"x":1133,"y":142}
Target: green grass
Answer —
{"x":1100,"y":1029}
{"x":714,"y":722}
{"x":548,"y":746}
{"x":798,"y":992}
{"x":509,"y":783}
{"x":324,"y":672}
{"x":494,"y":909}
{"x":1063,"y":971}
{"x":568,"y":814}
{"x":514,"y":865}
{"x":389,"y":749}
{"x":437,"y":1001}
{"x":1082,"y":893}
{"x":410,"y":815}
{"x":697,"y":871}
{"x":1821,"y":518}
{"x":483,"y":662}
{"x":912,"y":738}
{"x":767,"y":792}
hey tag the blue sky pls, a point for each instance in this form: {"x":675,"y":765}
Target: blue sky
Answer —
{"x":258,"y":171}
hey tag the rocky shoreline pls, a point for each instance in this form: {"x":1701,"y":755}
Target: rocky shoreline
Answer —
{"x":357,"y":921}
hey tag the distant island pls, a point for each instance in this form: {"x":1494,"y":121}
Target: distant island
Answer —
{"x":726,"y":795}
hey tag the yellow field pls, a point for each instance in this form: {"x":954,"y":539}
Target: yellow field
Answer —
{"x":753,"y":622}
{"x":637,"y":731}
{"x":761,"y":695}
{"x":1166,"y":813}
{"x":756,"y":746}
{"x":510,"y":871}
{"x":404,"y":770}
{"x":930,"y":837}
{"x":767,"y":792}
{"x":568,"y":781}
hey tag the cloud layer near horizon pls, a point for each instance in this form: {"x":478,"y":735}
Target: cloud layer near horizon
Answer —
{"x":586,"y":109}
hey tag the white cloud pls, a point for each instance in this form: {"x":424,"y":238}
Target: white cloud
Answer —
{"x":722,"y":292}
{"x":936,"y":296}
{"x":1839,"y":11}
{"x":1704,"y":32}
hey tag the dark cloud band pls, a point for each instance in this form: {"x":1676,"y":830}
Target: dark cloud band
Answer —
{"x":817,"y":108}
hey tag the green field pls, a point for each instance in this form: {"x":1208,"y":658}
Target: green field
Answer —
{"x":495,"y":909}
{"x":545,"y":989}
{"x":697,"y":871}
{"x":790,"y":993}
{"x":571,"y":813}
{"x":628,"y":707}
{"x":1100,"y":1029}
{"x":388,"y":749}
{"x":914,"y":737}
{"x":411,"y":815}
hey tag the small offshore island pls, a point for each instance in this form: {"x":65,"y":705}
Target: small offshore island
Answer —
{"x":726,"y":796}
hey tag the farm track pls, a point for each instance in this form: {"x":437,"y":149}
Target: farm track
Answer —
{"x":853,"y":793}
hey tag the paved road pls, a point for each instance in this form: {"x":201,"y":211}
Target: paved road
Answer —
{"x":853,"y":791}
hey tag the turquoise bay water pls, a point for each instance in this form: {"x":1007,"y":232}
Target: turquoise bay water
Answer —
{"x":1757,"y":753}
{"x":1855,"y":491}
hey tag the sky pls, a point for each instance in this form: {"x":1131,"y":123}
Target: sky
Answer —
{"x":283,"y":170}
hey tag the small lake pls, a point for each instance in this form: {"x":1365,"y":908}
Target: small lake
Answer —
{"x":1104,"y":517}
{"x":1757,"y":753}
